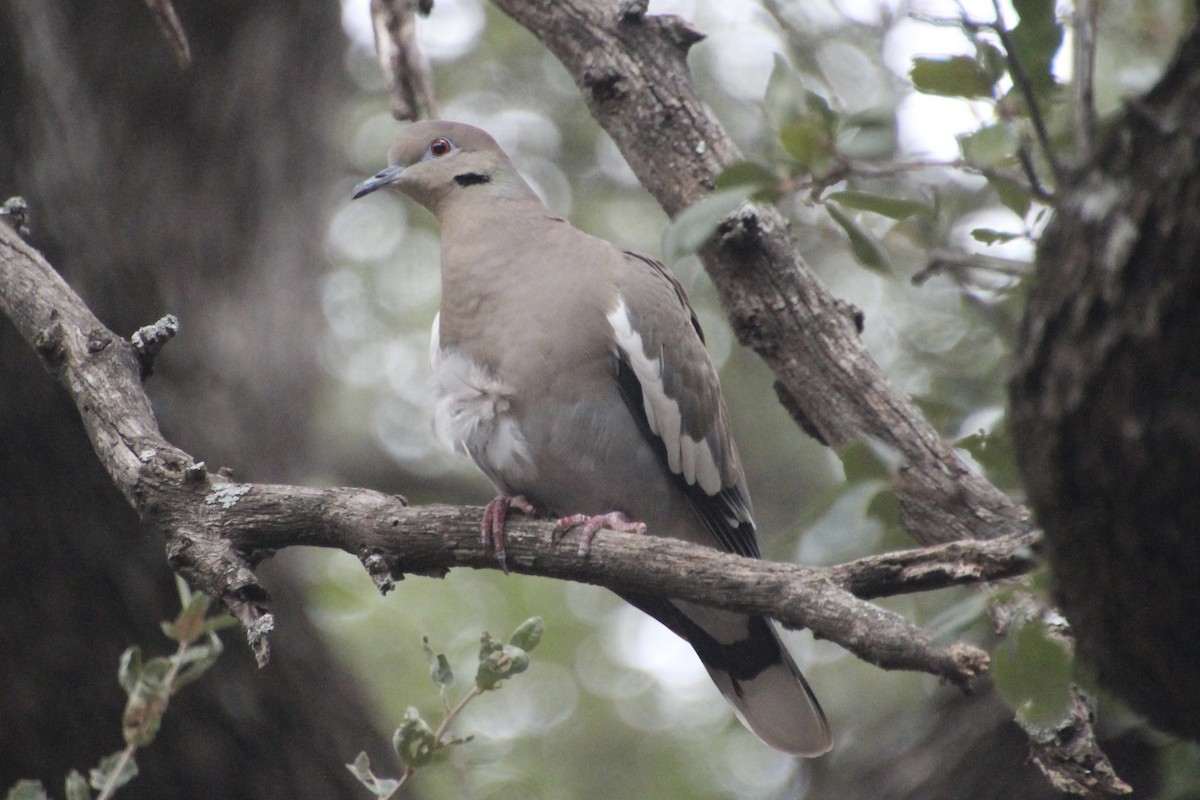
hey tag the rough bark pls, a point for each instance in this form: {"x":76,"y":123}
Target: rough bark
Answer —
{"x":1106,"y":401}
{"x":160,"y":189}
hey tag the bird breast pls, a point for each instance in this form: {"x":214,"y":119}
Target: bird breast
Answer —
{"x":472,"y":414}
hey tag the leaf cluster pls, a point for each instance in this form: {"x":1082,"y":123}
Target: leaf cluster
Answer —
{"x":149,"y":685}
{"x":416,"y":742}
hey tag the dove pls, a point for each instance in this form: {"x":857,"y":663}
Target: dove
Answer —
{"x":575,"y":375}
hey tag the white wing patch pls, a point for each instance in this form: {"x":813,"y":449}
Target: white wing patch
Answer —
{"x":692,"y":459}
{"x":471,"y":415}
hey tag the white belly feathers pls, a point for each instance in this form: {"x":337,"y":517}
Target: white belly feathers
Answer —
{"x":472,"y":414}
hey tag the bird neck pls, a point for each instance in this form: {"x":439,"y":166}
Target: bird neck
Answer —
{"x":482,"y":272}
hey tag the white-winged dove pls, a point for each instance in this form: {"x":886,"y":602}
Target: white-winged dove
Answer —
{"x":575,"y":375}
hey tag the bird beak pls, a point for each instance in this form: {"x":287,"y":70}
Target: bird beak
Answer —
{"x":389,"y":175}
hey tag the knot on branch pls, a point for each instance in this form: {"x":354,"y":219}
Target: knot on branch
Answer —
{"x":605,"y":85}
{"x":383,"y":569}
{"x":51,"y":343}
{"x":632,"y":10}
{"x":852,"y":313}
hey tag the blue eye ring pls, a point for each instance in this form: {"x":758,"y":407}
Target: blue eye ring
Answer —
{"x":440,"y":147}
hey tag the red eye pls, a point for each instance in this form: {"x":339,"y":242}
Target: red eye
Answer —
{"x":440,"y":147}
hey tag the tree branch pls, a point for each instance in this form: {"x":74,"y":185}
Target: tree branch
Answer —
{"x":217,"y":530}
{"x":404,"y":67}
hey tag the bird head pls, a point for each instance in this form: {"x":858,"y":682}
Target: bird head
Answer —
{"x":434,"y":161}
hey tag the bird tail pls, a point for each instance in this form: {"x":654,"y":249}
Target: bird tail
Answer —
{"x":754,"y":672}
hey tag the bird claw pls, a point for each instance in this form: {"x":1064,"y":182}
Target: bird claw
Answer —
{"x":614,"y":521}
{"x":495,"y":515}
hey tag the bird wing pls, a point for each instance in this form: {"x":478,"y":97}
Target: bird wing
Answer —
{"x":672,"y":390}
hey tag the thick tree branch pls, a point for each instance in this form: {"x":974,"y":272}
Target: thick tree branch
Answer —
{"x":632,"y":70}
{"x":1105,"y":391}
{"x":217,"y":530}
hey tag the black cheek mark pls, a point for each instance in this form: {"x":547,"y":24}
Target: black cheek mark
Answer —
{"x":471,"y":179}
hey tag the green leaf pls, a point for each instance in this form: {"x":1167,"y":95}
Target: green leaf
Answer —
{"x":189,"y":625}
{"x":99,"y":776}
{"x":885,"y":507}
{"x":956,"y":76}
{"x":528,"y":634}
{"x":696,"y":223}
{"x":361,"y":769}
{"x":808,"y":142}
{"x":990,"y":236}
{"x":1032,"y":671}
{"x":129,"y":670}
{"x":197,"y":660}
{"x":789,"y":101}
{"x":893,"y":207}
{"x":76,"y":786}
{"x":994,"y":452}
{"x":184,"y":591}
{"x":27,"y":789}
{"x":757,"y":180}
{"x":380,"y":787}
{"x":498,"y":662}
{"x":414,"y":741}
{"x":143,"y":717}
{"x":154,"y":673}
{"x":867,"y":250}
{"x":940,"y":412}
{"x":991,"y":61}
{"x":219,"y":622}
{"x":991,"y":145}
{"x":439,"y":666}
{"x":1036,"y":40}
{"x":1014,"y":195}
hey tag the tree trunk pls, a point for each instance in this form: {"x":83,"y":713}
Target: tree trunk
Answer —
{"x":1106,"y":401}
{"x":196,"y":192}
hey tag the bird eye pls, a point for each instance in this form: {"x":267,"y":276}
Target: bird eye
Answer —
{"x":440,"y":147}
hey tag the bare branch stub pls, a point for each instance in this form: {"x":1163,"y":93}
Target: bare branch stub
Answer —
{"x":404,"y":67}
{"x":148,"y":341}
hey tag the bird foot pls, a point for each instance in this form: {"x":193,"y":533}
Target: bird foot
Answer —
{"x":495,"y":514}
{"x":614,"y":520}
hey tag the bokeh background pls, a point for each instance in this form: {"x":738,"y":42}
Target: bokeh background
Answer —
{"x":222,"y":196}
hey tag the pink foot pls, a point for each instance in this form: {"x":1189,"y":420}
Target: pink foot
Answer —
{"x":614,"y":520}
{"x":491,"y":530}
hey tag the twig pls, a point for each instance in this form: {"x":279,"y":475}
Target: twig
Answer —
{"x":114,"y":776}
{"x":1084,"y":20}
{"x":1025,"y":86}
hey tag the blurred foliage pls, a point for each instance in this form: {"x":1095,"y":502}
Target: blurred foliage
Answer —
{"x":149,"y":685}
{"x":895,"y":138}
